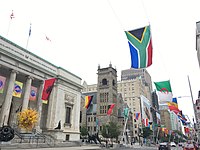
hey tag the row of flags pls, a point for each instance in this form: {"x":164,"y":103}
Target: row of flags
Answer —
{"x":30,"y":30}
{"x":18,"y":86}
{"x":88,"y":102}
{"x":164,"y":91}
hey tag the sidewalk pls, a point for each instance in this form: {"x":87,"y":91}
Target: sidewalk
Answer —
{"x":84,"y":147}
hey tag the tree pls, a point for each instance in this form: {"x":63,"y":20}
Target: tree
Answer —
{"x":147,"y":132}
{"x":111,"y":130}
{"x":84,"y":131}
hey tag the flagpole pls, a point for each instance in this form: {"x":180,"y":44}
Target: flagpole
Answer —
{"x":8,"y":28}
{"x":28,"y":37}
{"x":11,"y":16}
{"x":192,"y":97}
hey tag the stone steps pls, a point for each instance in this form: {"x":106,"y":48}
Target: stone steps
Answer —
{"x":9,"y":145}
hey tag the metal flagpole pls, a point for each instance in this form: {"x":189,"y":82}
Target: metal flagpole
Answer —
{"x":123,"y":136}
{"x":29,"y":34}
{"x":11,"y":17}
{"x":193,"y":104}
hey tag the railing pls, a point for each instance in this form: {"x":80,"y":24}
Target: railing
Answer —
{"x":33,"y":137}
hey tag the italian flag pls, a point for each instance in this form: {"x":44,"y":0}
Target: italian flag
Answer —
{"x":164,"y":91}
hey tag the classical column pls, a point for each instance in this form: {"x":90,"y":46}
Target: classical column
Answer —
{"x":39,"y":105}
{"x":51,"y":124}
{"x":8,"y":99}
{"x":27,"y":93}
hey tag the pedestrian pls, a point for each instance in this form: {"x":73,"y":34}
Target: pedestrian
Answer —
{"x":106,"y":143}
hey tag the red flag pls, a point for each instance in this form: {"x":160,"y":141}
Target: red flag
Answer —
{"x":12,"y":15}
{"x":110,"y":108}
{"x":48,"y":86}
{"x":174,"y":109}
{"x":187,"y":130}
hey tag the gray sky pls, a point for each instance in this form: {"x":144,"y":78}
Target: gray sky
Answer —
{"x":85,"y":33}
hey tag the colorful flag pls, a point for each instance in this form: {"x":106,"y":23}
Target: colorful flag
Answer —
{"x":126,"y":112}
{"x":164,"y":91}
{"x":17,"y":89}
{"x":145,"y":122}
{"x":29,"y":34}
{"x":2,"y":83}
{"x":137,"y":115}
{"x":187,"y":130}
{"x":174,"y":109}
{"x":48,"y":86}
{"x":33,"y":93}
{"x":110,"y":108}
{"x":140,"y":45}
{"x":172,"y":104}
{"x":12,"y":15}
{"x":181,"y":116}
{"x":174,"y":99}
{"x":88,"y":100}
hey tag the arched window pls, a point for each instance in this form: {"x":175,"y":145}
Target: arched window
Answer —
{"x":104,"y":81}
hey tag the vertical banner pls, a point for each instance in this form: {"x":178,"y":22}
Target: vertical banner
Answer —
{"x":2,"y":83}
{"x":48,"y":86}
{"x":33,"y":93}
{"x":17,"y":89}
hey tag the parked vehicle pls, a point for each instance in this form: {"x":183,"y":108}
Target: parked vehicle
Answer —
{"x":189,"y":146}
{"x":164,"y":146}
{"x":172,"y":144}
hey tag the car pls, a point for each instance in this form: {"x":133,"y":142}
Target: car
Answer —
{"x":172,"y":144}
{"x":189,"y":146}
{"x":164,"y":146}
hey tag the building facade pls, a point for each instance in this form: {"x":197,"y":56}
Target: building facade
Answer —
{"x":198,"y":40}
{"x":104,"y":94}
{"x":131,"y":91}
{"x":197,"y":115}
{"x":107,"y":93}
{"x":165,"y":118}
{"x":132,"y":73}
{"x":19,"y":65}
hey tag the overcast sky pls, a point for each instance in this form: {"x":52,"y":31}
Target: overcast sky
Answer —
{"x":88,"y":33}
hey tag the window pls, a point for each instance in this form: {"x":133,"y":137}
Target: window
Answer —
{"x":80,"y":116}
{"x":67,"y":137}
{"x":68,"y":115}
{"x":104,"y":82}
{"x":100,"y":128}
{"x":113,"y":82}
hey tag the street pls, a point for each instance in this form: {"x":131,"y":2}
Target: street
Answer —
{"x":95,"y":147}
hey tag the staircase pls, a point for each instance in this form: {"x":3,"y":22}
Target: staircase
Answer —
{"x":31,"y":139}
{"x":34,"y":139}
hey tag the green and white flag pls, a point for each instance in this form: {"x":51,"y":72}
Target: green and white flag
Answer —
{"x":126,"y":112}
{"x":164,"y":91}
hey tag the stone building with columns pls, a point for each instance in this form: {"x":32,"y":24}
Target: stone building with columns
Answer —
{"x":18,"y":64}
